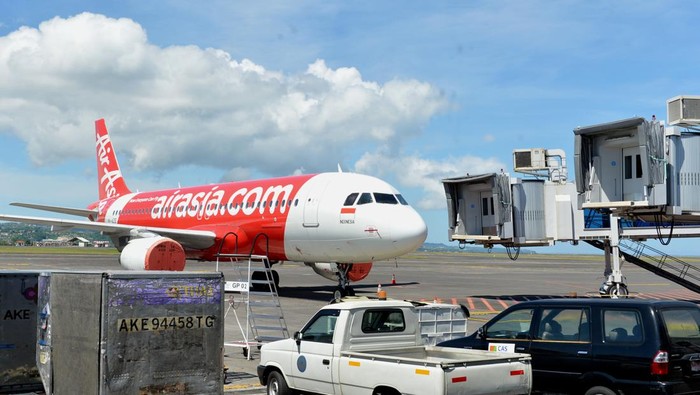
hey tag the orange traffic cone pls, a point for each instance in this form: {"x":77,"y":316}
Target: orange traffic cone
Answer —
{"x":393,"y":279}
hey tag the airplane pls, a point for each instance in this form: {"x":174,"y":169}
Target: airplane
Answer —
{"x":336,"y":223}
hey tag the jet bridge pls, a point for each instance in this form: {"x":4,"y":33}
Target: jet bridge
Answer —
{"x":495,"y":209}
{"x":479,"y":208}
{"x":642,"y":177}
{"x":640,"y":168}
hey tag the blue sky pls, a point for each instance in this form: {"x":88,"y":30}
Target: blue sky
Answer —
{"x":410,"y":91}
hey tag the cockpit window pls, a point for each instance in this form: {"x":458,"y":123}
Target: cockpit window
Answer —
{"x":365,"y":198}
{"x":402,"y":200}
{"x":385,"y":198}
{"x":350,"y":199}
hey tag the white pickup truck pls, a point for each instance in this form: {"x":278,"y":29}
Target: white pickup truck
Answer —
{"x":374,"y":347}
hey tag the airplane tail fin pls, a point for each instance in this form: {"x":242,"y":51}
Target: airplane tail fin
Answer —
{"x":109,"y":176}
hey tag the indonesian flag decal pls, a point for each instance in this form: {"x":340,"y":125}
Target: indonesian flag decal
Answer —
{"x":347,"y":214}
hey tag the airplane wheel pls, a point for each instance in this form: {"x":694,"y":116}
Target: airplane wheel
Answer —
{"x":349,"y":291}
{"x":618,"y":291}
{"x":338,"y":293}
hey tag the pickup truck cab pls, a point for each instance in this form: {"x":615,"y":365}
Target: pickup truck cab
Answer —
{"x":600,"y":346}
{"x":375,"y":347}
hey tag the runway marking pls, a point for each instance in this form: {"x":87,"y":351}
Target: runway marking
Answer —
{"x":470,"y":303}
{"x":487,"y":304}
{"x":504,"y":304}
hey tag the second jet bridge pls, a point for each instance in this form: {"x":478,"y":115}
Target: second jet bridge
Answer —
{"x":490,"y":209}
{"x":479,"y":207}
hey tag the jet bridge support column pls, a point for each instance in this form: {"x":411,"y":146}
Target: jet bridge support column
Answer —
{"x":613,"y":286}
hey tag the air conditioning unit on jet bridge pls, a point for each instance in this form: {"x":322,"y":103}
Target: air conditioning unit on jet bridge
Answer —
{"x":683,"y":110}
{"x":529,"y":159}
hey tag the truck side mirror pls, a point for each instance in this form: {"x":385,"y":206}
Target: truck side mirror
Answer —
{"x":298,"y":336}
{"x":481,"y":333}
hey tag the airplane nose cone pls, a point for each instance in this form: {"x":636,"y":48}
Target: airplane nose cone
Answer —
{"x":409,"y":232}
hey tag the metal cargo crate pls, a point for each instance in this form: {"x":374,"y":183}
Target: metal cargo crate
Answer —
{"x":131,"y":333}
{"x":441,"y":322}
{"x":18,"y":306}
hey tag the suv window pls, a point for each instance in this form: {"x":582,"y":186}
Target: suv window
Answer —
{"x":567,"y":324}
{"x":515,"y":325}
{"x":622,"y":326}
{"x":682,"y":324}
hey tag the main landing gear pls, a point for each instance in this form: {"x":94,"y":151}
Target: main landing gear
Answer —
{"x":614,"y":286}
{"x":344,"y":288}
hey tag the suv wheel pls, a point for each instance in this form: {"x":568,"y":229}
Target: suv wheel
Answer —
{"x":600,"y":390}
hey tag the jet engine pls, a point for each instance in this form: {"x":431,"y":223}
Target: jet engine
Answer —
{"x":357,"y":272}
{"x":153,"y":253}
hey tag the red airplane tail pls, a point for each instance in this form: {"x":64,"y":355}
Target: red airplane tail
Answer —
{"x":109,"y":177}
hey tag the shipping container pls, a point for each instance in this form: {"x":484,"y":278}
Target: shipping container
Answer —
{"x":18,"y":306}
{"x":131,"y":333}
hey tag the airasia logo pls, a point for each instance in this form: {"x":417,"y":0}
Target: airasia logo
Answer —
{"x":214,"y":202}
{"x":104,"y":152}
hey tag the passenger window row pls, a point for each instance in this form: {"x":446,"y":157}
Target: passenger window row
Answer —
{"x":194,"y":208}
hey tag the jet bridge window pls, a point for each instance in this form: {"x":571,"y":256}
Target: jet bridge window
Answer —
{"x":383,"y":320}
{"x":485,"y":206}
{"x":633,"y":171}
{"x":385,"y":198}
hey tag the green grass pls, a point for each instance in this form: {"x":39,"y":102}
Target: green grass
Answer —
{"x":58,"y":250}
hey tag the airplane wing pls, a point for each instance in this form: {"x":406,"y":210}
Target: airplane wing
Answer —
{"x":81,"y":212}
{"x":197,"y":239}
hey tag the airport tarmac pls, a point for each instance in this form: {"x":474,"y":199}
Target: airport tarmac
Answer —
{"x":484,"y":282}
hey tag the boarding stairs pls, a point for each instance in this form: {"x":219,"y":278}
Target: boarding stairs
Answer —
{"x":657,"y":262}
{"x":257,"y":285}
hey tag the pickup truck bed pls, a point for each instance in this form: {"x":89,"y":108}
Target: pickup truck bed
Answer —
{"x":480,"y":372}
{"x":438,"y":356}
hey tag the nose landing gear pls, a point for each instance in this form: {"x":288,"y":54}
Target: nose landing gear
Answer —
{"x":344,"y":288}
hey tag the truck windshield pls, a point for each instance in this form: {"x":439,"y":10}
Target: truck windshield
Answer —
{"x":682,"y":325}
{"x":321,"y":327}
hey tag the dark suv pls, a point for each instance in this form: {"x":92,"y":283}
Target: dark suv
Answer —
{"x":600,"y":346}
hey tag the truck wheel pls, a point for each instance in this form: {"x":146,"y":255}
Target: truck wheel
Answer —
{"x":600,"y":390}
{"x":276,"y":384}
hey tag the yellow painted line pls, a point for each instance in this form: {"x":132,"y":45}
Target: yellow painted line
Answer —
{"x":233,"y":387}
{"x":353,"y":363}
{"x":423,"y":372}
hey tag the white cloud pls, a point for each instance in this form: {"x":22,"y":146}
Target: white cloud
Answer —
{"x":414,"y":171}
{"x":184,"y":104}
{"x":488,"y":138}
